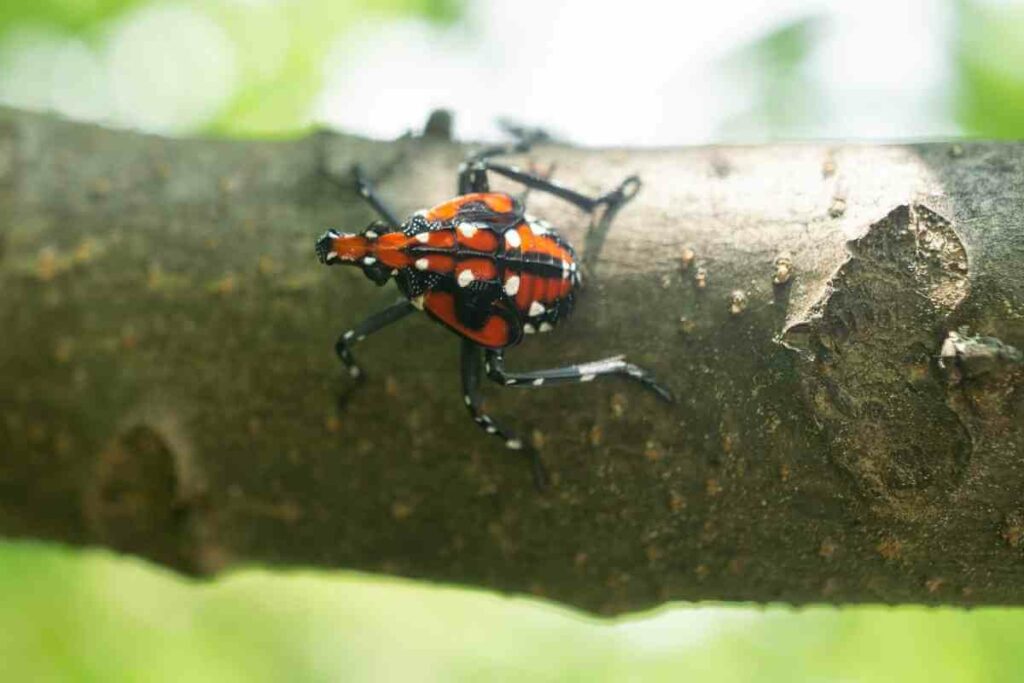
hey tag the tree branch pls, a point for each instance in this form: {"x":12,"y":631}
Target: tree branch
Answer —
{"x":841,"y":322}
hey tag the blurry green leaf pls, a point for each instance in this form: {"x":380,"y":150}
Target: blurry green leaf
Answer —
{"x":91,"y":616}
{"x":780,"y":98}
{"x":279,"y":47}
{"x":990,"y":66}
{"x":283,"y":48}
{"x":441,"y":11}
{"x":72,"y":15}
{"x":782,"y":49}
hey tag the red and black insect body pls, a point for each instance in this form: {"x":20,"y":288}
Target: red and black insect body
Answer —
{"x":483,"y":268}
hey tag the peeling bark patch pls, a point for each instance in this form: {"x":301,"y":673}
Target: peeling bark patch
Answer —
{"x":963,"y":356}
{"x":868,"y":339}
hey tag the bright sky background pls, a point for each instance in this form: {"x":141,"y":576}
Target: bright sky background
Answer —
{"x":644,"y":72}
{"x":654,"y":75}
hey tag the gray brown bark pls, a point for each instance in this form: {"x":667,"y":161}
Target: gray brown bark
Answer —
{"x":851,"y":417}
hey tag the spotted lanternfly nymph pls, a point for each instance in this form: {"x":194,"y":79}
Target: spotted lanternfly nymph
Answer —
{"x":483,"y":268}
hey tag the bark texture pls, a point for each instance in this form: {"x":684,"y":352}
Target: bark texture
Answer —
{"x":842,"y":324}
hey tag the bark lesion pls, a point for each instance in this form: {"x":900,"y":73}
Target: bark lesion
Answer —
{"x":872,"y":339}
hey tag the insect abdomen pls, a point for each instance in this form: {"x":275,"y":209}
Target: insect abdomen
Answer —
{"x":540,"y":275}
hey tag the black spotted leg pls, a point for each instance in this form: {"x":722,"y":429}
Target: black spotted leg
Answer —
{"x":471,"y":397}
{"x":584,"y":372}
{"x":476,"y":174}
{"x":366,"y":190}
{"x":546,"y":175}
{"x":375,"y":322}
{"x":473,"y":173}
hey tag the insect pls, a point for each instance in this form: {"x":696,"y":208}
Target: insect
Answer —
{"x":486,"y":270}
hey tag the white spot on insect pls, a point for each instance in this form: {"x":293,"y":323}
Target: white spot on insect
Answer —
{"x":363,"y":191}
{"x":538,"y":227}
{"x":463,"y":167}
{"x":371,"y":234}
{"x":529,"y":329}
{"x":468,"y":400}
{"x":545,"y":327}
{"x":512,"y":239}
{"x":417,"y":301}
{"x":331,"y":256}
{"x":423,"y":237}
{"x":422,"y":264}
{"x":587,"y":378}
{"x":468,"y":229}
{"x":537,"y":382}
{"x":514,"y":444}
{"x":491,"y":429}
{"x":354,"y":371}
{"x":572,"y":267}
{"x":369,"y":260}
{"x":487,"y":366}
{"x":349,"y":334}
{"x":536,"y":308}
{"x":361,"y":337}
{"x":509,"y":382}
{"x":394,"y":272}
{"x":466,"y":277}
{"x":600,"y":366}
{"x":421,"y":212}
{"x":512,"y":285}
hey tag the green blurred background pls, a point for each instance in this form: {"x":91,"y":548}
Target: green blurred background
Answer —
{"x":737,"y":71}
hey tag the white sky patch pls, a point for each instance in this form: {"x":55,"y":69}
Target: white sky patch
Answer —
{"x":170,"y":68}
{"x":46,"y":70}
{"x":678,"y":627}
{"x":885,"y":69}
{"x":649,"y":76}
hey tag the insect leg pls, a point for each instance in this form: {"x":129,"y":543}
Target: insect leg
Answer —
{"x":366,"y":190}
{"x":626,"y":190}
{"x":546,"y":175}
{"x":377,"y":321}
{"x":472,"y":173}
{"x":584,"y":372}
{"x":473,"y":178}
{"x":471,"y":397}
